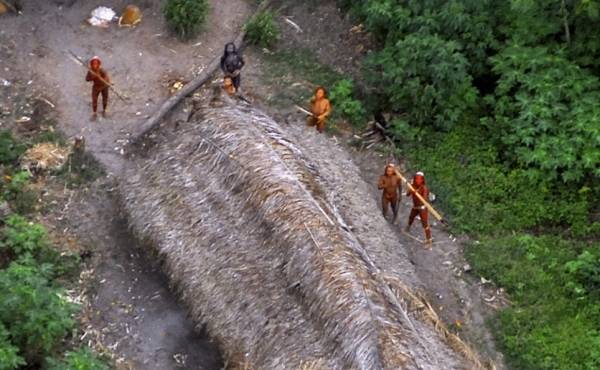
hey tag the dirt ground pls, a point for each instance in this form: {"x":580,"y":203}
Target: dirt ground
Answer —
{"x":131,"y":309}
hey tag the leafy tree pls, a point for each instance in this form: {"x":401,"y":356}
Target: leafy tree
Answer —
{"x":546,"y":113}
{"x":426,"y":77}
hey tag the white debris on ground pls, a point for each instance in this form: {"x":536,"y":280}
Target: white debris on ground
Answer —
{"x":101,"y":16}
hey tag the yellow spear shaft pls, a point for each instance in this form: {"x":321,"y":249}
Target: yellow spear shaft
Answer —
{"x":435,"y":213}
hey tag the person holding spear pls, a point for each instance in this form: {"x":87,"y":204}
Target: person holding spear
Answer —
{"x":100,"y":85}
{"x":419,"y":192}
{"x":320,"y":109}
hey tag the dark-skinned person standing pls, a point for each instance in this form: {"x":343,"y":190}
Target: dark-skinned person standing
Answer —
{"x":232,"y":64}
{"x":391,"y":185}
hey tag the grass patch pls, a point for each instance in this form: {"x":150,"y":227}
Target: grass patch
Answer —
{"x":294,"y":74}
{"x":80,"y":169}
{"x":553,"y":323}
{"x":527,"y":229}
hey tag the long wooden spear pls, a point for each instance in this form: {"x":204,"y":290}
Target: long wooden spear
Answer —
{"x":435,"y":213}
{"x":78,"y":60}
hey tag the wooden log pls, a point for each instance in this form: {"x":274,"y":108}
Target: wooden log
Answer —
{"x":188,"y":89}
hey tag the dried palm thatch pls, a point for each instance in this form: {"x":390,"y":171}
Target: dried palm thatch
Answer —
{"x":44,"y":156}
{"x":264,"y":259}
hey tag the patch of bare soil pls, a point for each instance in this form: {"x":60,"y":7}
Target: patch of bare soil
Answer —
{"x":129,"y":309}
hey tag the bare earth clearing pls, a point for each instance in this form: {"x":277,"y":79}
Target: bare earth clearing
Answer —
{"x":131,"y":309}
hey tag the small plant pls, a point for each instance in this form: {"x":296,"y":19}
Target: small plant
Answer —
{"x":34,"y":312}
{"x":15,"y":190}
{"x":9,"y":354}
{"x":262,"y":30}
{"x":344,"y":103}
{"x":82,"y":359}
{"x":10,"y":149}
{"x":185,"y":17}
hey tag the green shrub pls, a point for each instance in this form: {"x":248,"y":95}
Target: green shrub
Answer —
{"x":17,"y":192}
{"x":186,"y":17}
{"x":545,"y":327}
{"x":262,"y":30}
{"x":9,"y":354}
{"x":33,"y":311}
{"x":424,"y":76}
{"x":345,"y":105}
{"x":27,"y":243}
{"x":81,"y":359}
{"x":10,"y":149}
{"x":585,"y":274}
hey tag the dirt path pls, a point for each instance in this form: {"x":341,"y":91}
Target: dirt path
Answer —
{"x":131,"y":308}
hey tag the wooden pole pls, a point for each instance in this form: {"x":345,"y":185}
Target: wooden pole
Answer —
{"x":435,"y":213}
{"x":81,"y":63}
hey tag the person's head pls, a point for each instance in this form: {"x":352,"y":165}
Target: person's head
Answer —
{"x":389,"y":169}
{"x":95,"y":63}
{"x":320,"y":92}
{"x":229,"y":48}
{"x":227,"y":81}
{"x":419,"y":178}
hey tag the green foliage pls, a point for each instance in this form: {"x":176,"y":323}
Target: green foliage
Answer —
{"x":9,"y":354}
{"x":585,"y":274}
{"x":80,"y":169}
{"x":519,"y":154}
{"x":483,"y":196}
{"x":33,"y":311}
{"x":186,"y":17}
{"x":546,"y":114}
{"x":262,"y":29}
{"x":81,"y":359}
{"x":290,"y":71}
{"x":15,"y":189}
{"x":545,"y":328}
{"x":345,"y":105}
{"x":426,"y":77}
{"x":10,"y":149}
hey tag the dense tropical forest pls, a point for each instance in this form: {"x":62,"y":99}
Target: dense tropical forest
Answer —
{"x":497,"y":101}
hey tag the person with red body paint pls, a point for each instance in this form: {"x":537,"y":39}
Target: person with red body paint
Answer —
{"x":100,"y":81}
{"x":419,"y":208}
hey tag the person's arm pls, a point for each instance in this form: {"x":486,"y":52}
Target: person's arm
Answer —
{"x":89,"y":76}
{"x":242,"y":62}
{"x":425,"y":193}
{"x":223,"y":63}
{"x":327,"y":111}
{"x":105,"y":76}
{"x":381,"y":183}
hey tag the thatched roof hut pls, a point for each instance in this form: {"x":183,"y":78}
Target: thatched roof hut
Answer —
{"x":253,"y":240}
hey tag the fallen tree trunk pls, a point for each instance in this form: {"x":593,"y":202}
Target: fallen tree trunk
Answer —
{"x":189,"y":88}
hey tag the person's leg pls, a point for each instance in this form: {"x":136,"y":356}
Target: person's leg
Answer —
{"x":384,"y":206}
{"x":411,"y":218}
{"x":424,"y":214}
{"x":104,"y":100}
{"x":394,"y":203}
{"x":95,"y":94}
{"x":237,"y":80}
{"x":321,"y":126}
